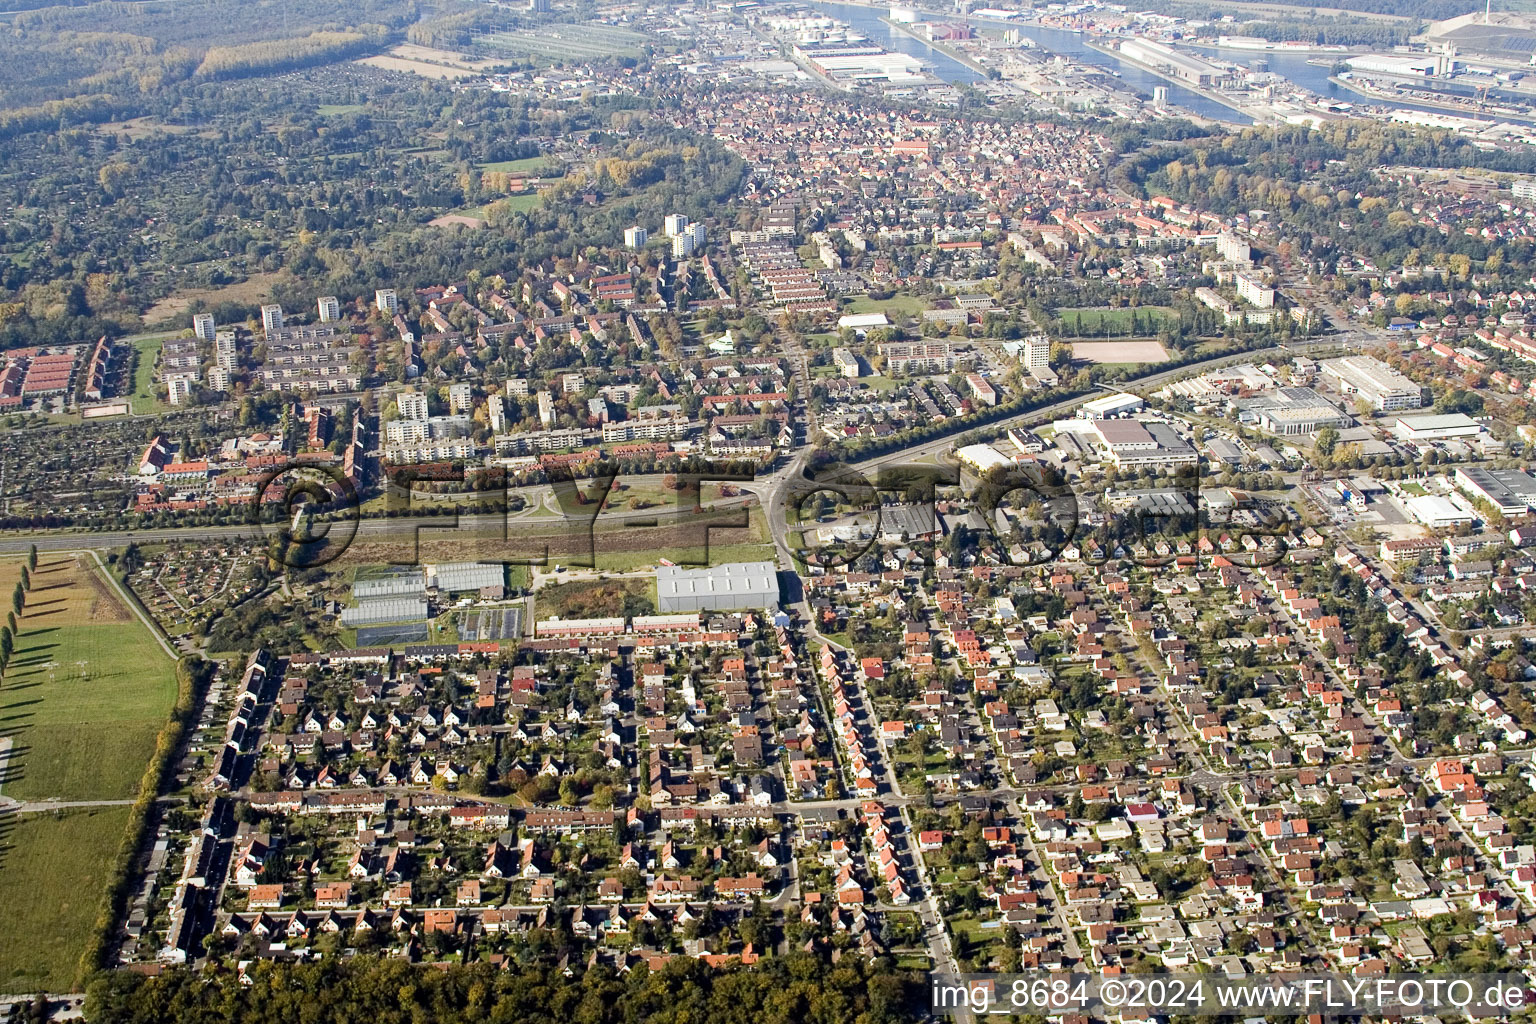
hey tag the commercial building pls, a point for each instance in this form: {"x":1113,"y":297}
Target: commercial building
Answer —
{"x":1112,"y":405}
{"x":1129,"y":443}
{"x":1510,"y":492}
{"x":982,"y":457}
{"x":728,"y":587}
{"x":1376,"y":382}
{"x":1436,"y":427}
{"x":1437,"y":513}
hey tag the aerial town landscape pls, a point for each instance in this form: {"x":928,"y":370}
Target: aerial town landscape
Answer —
{"x":569,"y":510}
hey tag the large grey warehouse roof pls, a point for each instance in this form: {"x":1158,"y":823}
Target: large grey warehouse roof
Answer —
{"x":733,"y":579}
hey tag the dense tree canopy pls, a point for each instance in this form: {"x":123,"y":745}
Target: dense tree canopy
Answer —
{"x":796,"y":989}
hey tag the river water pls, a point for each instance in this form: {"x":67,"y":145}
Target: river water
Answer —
{"x":1291,"y":66}
{"x":866,"y":21}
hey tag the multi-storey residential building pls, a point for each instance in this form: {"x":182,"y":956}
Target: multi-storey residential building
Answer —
{"x":271,"y":318}
{"x":412,"y":405}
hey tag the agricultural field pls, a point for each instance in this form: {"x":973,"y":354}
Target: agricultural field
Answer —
{"x":53,"y":867}
{"x":87,"y":690}
{"x":558,"y":42}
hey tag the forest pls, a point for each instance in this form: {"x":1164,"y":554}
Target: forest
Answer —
{"x":126,"y":54}
{"x":250,"y":177}
{"x":799,"y":988}
{"x":1312,"y":181}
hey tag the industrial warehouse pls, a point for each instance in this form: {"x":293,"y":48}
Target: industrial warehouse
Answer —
{"x":1181,"y":66}
{"x":728,"y":587}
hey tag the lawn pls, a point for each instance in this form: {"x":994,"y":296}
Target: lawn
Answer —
{"x":546,"y":167}
{"x":86,"y":692}
{"x":334,"y":109}
{"x":1118,"y":322}
{"x":52,"y":869}
{"x":897,"y":307}
{"x":144,"y":398}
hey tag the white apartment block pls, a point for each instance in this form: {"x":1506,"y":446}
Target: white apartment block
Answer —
{"x":330,"y":309}
{"x":636,"y":237}
{"x":224,"y":352}
{"x":653,"y":429}
{"x":674,"y":224}
{"x":461,"y":398}
{"x":271,"y":318}
{"x":385,"y":301}
{"x":203,"y":326}
{"x":546,"y":409}
{"x":1233,"y":249}
{"x":496,"y":414}
{"x":412,"y":405}
{"x":179,"y":388}
{"x":846,"y":362}
{"x":1037,"y":353}
{"x":1255,"y":292}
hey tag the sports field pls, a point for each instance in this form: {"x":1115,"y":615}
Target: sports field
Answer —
{"x":1119,"y":351}
{"x":87,"y":690}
